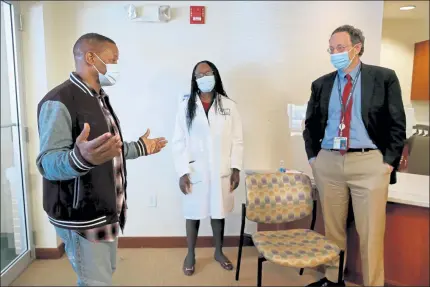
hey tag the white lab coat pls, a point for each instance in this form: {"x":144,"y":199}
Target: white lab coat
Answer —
{"x":208,"y":152}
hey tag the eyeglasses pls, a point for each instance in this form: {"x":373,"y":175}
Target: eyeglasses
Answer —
{"x":339,"y":49}
{"x":210,"y":73}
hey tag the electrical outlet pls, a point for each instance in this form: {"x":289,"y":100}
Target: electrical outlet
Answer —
{"x":152,"y":202}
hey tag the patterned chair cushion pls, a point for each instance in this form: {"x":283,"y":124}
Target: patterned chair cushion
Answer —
{"x":278,"y":213}
{"x":278,"y":197}
{"x":298,"y":248}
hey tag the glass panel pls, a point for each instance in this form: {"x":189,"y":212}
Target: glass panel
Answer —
{"x":13,"y":235}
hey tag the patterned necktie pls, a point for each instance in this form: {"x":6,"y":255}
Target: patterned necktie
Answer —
{"x":347,"y":115}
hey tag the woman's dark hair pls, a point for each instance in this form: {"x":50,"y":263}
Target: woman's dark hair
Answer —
{"x":218,"y":91}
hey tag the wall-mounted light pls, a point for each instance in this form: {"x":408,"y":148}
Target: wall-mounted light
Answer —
{"x":131,"y":11}
{"x":406,"y":8}
{"x":148,"y":13}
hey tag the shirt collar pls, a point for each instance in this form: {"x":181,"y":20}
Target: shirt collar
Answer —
{"x":353,"y":73}
{"x":81,"y":84}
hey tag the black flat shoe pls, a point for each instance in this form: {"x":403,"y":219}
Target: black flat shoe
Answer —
{"x":227,"y":265}
{"x":324,"y":282}
{"x":188,"y":270}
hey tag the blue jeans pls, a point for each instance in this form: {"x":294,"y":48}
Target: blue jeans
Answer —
{"x":93,"y":263}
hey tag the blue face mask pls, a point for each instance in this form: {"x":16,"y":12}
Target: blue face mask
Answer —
{"x":206,"y":84}
{"x":341,"y":61}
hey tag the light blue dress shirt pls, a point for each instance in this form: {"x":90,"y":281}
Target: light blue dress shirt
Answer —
{"x":358,"y":136}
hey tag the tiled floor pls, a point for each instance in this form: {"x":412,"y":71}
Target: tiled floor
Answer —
{"x":162,"y":267}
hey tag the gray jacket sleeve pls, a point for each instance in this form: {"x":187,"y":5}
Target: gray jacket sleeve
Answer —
{"x":59,"y":158}
{"x":133,"y":150}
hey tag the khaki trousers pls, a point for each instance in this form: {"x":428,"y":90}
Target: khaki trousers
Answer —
{"x":363,"y":177}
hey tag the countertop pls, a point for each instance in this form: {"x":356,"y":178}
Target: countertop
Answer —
{"x":410,"y":189}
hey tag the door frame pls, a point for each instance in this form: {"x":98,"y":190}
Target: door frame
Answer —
{"x":22,"y":261}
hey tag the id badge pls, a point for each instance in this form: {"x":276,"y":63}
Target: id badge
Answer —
{"x":340,"y":143}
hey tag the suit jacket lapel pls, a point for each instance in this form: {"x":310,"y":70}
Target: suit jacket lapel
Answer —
{"x":326,"y":92}
{"x":367,"y":86}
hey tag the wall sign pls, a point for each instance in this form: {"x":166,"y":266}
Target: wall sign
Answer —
{"x":197,"y":14}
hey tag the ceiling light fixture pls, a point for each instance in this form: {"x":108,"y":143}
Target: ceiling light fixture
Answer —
{"x":409,"y":7}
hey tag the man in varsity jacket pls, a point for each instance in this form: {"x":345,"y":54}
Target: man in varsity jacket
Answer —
{"x":83,"y":161}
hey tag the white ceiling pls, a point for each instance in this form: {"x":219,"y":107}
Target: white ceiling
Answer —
{"x":392,"y":10}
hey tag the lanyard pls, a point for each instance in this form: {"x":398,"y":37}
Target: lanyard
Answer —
{"x":344,"y":107}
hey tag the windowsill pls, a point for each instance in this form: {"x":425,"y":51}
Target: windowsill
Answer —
{"x":296,"y":133}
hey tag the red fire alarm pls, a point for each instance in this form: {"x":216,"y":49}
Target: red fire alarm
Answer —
{"x":197,"y":14}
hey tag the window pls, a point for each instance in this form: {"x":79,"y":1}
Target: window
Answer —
{"x":296,"y":118}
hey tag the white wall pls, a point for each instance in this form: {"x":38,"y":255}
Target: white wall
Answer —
{"x":36,"y":86}
{"x":397,"y":52}
{"x":268,"y":54}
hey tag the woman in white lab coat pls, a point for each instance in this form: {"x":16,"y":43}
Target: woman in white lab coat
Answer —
{"x":208,"y":150}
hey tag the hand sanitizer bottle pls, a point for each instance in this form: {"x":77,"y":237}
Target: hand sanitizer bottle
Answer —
{"x":282,"y":166}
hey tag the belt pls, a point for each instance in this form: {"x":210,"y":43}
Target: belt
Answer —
{"x":356,"y":149}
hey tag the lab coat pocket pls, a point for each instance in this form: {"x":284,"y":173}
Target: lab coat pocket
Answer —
{"x":225,"y":167}
{"x":195,"y":174}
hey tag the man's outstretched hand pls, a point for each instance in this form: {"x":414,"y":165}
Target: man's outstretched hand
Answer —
{"x":153,"y":145}
{"x":100,"y":149}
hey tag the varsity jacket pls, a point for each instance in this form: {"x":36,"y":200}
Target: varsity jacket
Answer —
{"x":76,"y":194}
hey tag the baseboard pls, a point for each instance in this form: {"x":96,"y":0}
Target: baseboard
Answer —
{"x":180,"y":242}
{"x":172,"y":242}
{"x":50,"y":253}
{"x":151,"y":242}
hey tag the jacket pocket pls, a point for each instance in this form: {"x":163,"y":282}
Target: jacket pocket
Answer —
{"x":195,"y":173}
